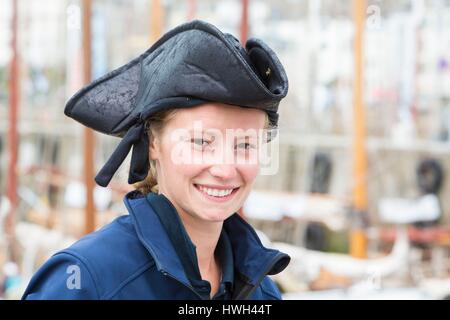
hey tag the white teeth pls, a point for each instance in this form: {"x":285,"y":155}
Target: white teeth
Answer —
{"x":215,"y":192}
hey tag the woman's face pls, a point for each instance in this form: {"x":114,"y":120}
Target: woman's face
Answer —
{"x":207,"y":159}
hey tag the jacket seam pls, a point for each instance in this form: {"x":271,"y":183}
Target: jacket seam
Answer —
{"x":130,"y":278}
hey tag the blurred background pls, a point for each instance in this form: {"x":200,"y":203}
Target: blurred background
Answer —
{"x":360,"y":198}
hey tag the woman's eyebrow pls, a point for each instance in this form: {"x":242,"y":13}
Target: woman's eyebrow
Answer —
{"x":246,"y":134}
{"x":203,"y":131}
{"x":246,"y":138}
{"x":213,"y":133}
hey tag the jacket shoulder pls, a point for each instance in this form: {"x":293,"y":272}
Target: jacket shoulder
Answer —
{"x":103,"y":259}
{"x":62,"y":277}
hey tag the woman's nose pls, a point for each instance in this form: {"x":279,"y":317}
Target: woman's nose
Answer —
{"x":223,"y":171}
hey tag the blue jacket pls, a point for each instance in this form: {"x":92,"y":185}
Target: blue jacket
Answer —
{"x":133,"y":258}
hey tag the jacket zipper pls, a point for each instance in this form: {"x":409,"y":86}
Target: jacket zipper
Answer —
{"x":165,"y":273}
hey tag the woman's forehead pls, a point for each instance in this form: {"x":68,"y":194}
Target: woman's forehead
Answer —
{"x":219,"y":116}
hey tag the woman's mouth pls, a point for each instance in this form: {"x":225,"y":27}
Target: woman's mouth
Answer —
{"x":217,"y":195}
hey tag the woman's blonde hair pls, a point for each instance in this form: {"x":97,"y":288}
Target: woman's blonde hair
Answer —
{"x":154,"y":126}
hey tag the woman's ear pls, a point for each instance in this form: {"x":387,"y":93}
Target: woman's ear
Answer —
{"x":153,"y":148}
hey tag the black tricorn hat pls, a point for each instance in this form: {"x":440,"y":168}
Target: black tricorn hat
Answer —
{"x":192,"y":64}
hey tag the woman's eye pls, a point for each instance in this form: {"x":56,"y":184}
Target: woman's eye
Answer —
{"x":246,"y":146}
{"x":200,"y":142}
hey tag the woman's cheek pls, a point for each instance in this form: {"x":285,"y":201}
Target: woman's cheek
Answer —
{"x":249,"y":172}
{"x":189,"y":170}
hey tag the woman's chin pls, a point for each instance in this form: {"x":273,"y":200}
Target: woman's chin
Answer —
{"x":213,"y":216}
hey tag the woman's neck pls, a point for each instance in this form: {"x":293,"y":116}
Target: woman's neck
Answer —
{"x":205,"y":236}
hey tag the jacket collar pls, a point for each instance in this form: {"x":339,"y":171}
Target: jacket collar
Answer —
{"x":252,"y":261}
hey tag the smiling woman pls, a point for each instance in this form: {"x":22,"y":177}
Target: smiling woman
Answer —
{"x":193,"y":108}
{"x":215,"y":170}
